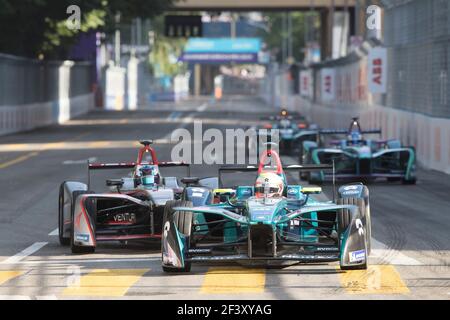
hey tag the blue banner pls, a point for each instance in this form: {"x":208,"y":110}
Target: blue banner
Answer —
{"x":223,"y":45}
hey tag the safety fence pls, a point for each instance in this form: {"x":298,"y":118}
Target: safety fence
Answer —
{"x":386,"y":87}
{"x":34,"y":93}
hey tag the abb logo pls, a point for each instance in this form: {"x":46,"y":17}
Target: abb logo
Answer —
{"x":327,"y":83}
{"x":305,"y":83}
{"x":377,"y":71}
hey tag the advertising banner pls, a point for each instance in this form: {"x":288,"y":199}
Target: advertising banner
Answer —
{"x":328,"y":84}
{"x":306,"y":84}
{"x":377,"y":70}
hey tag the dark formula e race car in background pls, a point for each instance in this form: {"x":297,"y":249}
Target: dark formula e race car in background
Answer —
{"x":293,"y":130}
{"x":268,"y":223}
{"x":133,"y":210}
{"x":359,"y":158}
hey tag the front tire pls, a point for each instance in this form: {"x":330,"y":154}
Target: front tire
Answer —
{"x":64,"y":241}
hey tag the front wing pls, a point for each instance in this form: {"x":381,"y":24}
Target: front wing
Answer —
{"x":179,"y":249}
{"x":388,"y":163}
{"x":107,"y":217}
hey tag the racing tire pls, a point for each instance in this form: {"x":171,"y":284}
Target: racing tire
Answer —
{"x":345,"y":218}
{"x":183,"y":222}
{"x":64,"y":241}
{"x":73,"y":247}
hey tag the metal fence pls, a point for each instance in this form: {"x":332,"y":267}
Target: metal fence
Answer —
{"x":24,"y":81}
{"x":417,"y":35}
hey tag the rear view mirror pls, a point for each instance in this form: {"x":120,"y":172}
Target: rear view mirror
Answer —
{"x":114,"y":182}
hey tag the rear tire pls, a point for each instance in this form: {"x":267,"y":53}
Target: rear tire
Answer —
{"x":64,"y":241}
{"x":74,"y":248}
{"x":183,"y":222}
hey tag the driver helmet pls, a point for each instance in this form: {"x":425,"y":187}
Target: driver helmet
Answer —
{"x":269,"y":184}
{"x":148,"y":174}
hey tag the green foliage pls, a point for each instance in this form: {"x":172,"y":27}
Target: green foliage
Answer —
{"x":164,"y":54}
{"x":32,"y":27}
{"x":274,"y":36}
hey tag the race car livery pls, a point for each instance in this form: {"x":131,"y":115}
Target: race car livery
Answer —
{"x":292,"y":131}
{"x":359,"y":158}
{"x":132,"y":210}
{"x":269,"y":224}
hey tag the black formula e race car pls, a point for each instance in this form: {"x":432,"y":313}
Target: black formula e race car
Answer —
{"x":132,"y":210}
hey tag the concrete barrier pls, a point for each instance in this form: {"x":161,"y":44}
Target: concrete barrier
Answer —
{"x":30,"y":116}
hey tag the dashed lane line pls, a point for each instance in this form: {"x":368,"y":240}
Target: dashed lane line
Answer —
{"x":105,"y":282}
{"x":18,"y":159}
{"x":377,"y":279}
{"x":29,"y":155}
{"x":5,"y":276}
{"x":54,"y":262}
{"x":24,"y":253}
{"x":54,"y":232}
{"x":232,"y":280}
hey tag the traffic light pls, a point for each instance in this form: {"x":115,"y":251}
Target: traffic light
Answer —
{"x":183,"y":26}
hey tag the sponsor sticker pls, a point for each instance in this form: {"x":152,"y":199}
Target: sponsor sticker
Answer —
{"x":357,"y":255}
{"x":350,"y":192}
{"x":82,"y":237}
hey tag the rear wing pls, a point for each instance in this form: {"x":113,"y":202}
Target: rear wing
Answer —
{"x":288,"y":117}
{"x":312,"y":167}
{"x":343,"y":131}
{"x":132,"y":165}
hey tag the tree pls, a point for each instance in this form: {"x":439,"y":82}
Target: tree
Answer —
{"x":32,"y":27}
{"x":273,"y":38}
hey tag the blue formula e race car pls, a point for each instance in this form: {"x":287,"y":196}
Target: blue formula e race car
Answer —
{"x":359,"y":158}
{"x":269,"y":223}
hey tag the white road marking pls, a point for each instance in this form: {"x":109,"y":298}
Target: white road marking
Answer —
{"x":24,"y":253}
{"x":54,"y":232}
{"x":202,"y":107}
{"x":174,"y":115}
{"x":391,"y":256}
{"x":14,"y":297}
{"x":49,"y":297}
{"x":82,"y":161}
{"x":82,"y":261}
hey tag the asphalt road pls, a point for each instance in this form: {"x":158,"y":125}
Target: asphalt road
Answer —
{"x":410,"y":259}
